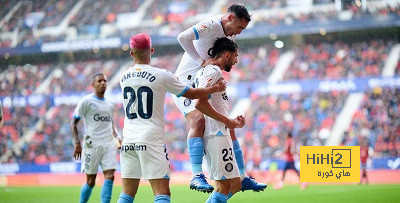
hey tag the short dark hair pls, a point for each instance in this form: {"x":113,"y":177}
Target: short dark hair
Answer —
{"x":222,"y":45}
{"x":240,"y":12}
{"x":97,"y":74}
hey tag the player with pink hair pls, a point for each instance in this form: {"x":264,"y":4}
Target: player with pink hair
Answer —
{"x":143,"y":151}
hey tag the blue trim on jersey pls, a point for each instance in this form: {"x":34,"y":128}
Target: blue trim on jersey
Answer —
{"x":98,"y":97}
{"x":77,"y":117}
{"x":209,"y":96}
{"x":196,"y":33}
{"x":219,"y":133}
{"x":183,"y":92}
{"x":223,"y":178}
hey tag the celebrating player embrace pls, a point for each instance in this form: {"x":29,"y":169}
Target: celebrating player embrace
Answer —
{"x":143,"y":152}
{"x":196,"y":41}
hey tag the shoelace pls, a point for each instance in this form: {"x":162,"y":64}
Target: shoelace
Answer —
{"x":202,"y":178}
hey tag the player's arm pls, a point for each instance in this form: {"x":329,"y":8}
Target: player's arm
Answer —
{"x":174,"y":86}
{"x":196,"y":93}
{"x":74,"y":130}
{"x":204,"y":107}
{"x":185,"y":39}
{"x":117,"y":137}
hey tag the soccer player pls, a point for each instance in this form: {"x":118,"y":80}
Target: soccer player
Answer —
{"x":196,"y":41}
{"x":364,"y":157}
{"x":289,"y":161}
{"x":217,"y":141}
{"x":98,"y":146}
{"x":143,"y":151}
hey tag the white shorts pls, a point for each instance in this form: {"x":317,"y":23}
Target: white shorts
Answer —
{"x":184,"y":104}
{"x":220,"y":157}
{"x":106,"y":156}
{"x":143,"y":160}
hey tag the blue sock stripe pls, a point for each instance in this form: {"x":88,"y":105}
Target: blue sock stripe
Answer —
{"x":86,"y":191}
{"x":106,"y":191}
{"x":107,"y":181}
{"x":125,"y":198}
{"x":239,"y":157}
{"x":162,"y":199}
{"x":218,"y":198}
{"x":196,"y":150}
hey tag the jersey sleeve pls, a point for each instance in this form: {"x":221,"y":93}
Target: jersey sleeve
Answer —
{"x":205,"y":29}
{"x":172,"y":84}
{"x":80,"y":110}
{"x":209,"y":76}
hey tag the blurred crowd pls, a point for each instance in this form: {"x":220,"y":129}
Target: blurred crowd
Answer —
{"x":310,"y":116}
{"x":378,"y":120}
{"x":166,"y":18}
{"x":339,"y":60}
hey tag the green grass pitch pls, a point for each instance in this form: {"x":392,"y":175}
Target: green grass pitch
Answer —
{"x":182,"y":194}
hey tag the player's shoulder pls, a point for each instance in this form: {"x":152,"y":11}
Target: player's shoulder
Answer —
{"x":212,"y":69}
{"x":109,"y":99}
{"x":210,"y":22}
{"x":165,"y":72}
{"x":87,"y":97}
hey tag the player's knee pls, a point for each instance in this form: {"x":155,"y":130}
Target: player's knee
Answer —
{"x":91,"y":182}
{"x":109,"y":177}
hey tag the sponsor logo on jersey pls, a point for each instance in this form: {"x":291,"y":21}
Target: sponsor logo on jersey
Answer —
{"x":133,"y":147}
{"x":229,"y":167}
{"x":202,"y":27}
{"x":187,"y":102}
{"x":98,"y":117}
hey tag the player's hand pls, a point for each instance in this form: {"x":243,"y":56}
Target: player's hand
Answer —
{"x":240,"y":121}
{"x":231,"y":123}
{"x":119,"y":142}
{"x":221,"y":84}
{"x":77,"y":151}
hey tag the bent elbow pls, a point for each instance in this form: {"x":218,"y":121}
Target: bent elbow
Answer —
{"x":180,"y":38}
{"x":197,"y":105}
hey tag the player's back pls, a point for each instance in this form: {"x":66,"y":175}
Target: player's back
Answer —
{"x":207,"y":32}
{"x":143,"y":88}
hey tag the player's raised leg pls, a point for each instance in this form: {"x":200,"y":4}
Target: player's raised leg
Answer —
{"x":196,"y":151}
{"x":248,"y":183}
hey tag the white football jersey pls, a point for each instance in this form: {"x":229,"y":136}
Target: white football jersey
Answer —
{"x":206,"y":77}
{"x":97,"y":114}
{"x":207,"y":32}
{"x":144,"y":88}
